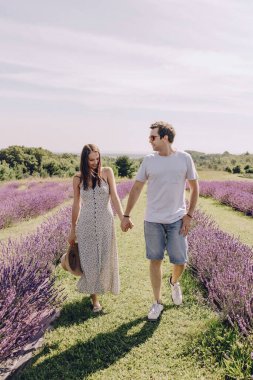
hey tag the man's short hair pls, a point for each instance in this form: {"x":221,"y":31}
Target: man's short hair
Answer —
{"x":164,"y":129}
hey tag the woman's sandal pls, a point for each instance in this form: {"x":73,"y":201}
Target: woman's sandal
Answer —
{"x":97,"y":309}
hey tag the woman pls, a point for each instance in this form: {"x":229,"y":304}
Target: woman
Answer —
{"x":93,"y":226}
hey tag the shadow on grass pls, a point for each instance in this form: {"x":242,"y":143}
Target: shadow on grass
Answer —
{"x":75,"y":313}
{"x":94,"y":355}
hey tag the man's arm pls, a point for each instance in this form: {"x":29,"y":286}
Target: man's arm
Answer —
{"x":132,"y":199}
{"x":194,"y":195}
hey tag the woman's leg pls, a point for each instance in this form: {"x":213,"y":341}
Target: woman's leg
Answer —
{"x":95,"y":301}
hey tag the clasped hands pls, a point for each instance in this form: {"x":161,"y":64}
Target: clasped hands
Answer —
{"x":126,"y":224}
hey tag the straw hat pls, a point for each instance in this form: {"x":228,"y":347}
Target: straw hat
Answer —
{"x":70,"y":261}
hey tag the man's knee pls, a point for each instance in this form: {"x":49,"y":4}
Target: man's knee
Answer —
{"x":155,"y":263}
{"x":180,"y":266}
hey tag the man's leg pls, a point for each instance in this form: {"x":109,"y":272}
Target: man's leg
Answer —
{"x":177,"y":250}
{"x":178,"y":270}
{"x":155,"y":268}
{"x":155,"y":246}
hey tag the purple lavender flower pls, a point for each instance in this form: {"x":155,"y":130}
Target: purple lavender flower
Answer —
{"x":28,"y":296}
{"x":19,"y":203}
{"x":236,"y":194}
{"x":224,"y":266}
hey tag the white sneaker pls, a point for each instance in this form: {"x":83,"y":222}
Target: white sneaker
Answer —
{"x":155,"y":311}
{"x":176,"y":293}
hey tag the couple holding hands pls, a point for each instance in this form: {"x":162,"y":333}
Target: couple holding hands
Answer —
{"x":166,"y":223}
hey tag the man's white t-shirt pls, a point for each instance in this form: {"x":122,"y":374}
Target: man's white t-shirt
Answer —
{"x":166,"y":176}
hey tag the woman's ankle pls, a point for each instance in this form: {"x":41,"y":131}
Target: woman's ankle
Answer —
{"x":94,"y":299}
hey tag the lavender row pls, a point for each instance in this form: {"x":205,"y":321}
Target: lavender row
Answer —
{"x":37,"y":198}
{"x":225,"y":267}
{"x":28,"y":295}
{"x":236,"y":194}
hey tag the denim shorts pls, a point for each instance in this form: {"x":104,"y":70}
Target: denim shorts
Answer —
{"x":160,"y":236}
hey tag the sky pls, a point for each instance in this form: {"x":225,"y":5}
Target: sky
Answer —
{"x":77,"y":72}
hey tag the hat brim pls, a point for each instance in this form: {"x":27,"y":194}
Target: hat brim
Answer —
{"x":66,"y":266}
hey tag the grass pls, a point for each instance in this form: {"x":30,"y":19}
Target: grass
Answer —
{"x":223,"y":345}
{"x":121,"y":343}
{"x":212,"y":175}
{"x":229,"y":220}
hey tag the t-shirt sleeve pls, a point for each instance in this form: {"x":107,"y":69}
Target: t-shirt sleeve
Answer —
{"x":191,"y":170}
{"x":142,"y":172}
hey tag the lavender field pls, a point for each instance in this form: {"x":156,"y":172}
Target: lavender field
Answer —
{"x":28,"y":296}
{"x":221,"y":262}
{"x":26,"y":200}
{"x":236,"y":194}
{"x":225,"y":267}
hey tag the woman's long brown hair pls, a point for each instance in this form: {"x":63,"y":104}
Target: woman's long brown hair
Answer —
{"x":86,"y":173}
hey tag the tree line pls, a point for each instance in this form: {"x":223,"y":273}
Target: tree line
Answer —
{"x":232,"y":163}
{"x":17,"y":162}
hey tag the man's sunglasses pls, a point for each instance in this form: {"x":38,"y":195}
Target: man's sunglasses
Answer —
{"x":152,"y":138}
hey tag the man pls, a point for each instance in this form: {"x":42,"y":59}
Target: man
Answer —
{"x":167,"y":221}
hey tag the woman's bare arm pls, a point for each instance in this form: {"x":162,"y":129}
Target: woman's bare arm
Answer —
{"x":75,"y":209}
{"x":113,"y":192}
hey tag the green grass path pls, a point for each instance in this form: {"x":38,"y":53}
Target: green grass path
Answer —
{"x":121,"y":343}
{"x":229,"y":220}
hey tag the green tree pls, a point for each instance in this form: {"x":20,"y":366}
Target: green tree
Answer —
{"x":248,"y":169}
{"x":28,"y":161}
{"x":6,"y":173}
{"x":20,"y":171}
{"x":236,"y":169}
{"x":52,"y":167}
{"x":125,"y":166}
{"x":227,"y":169}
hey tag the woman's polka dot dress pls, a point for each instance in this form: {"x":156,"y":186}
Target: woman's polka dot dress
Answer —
{"x":96,"y":238}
